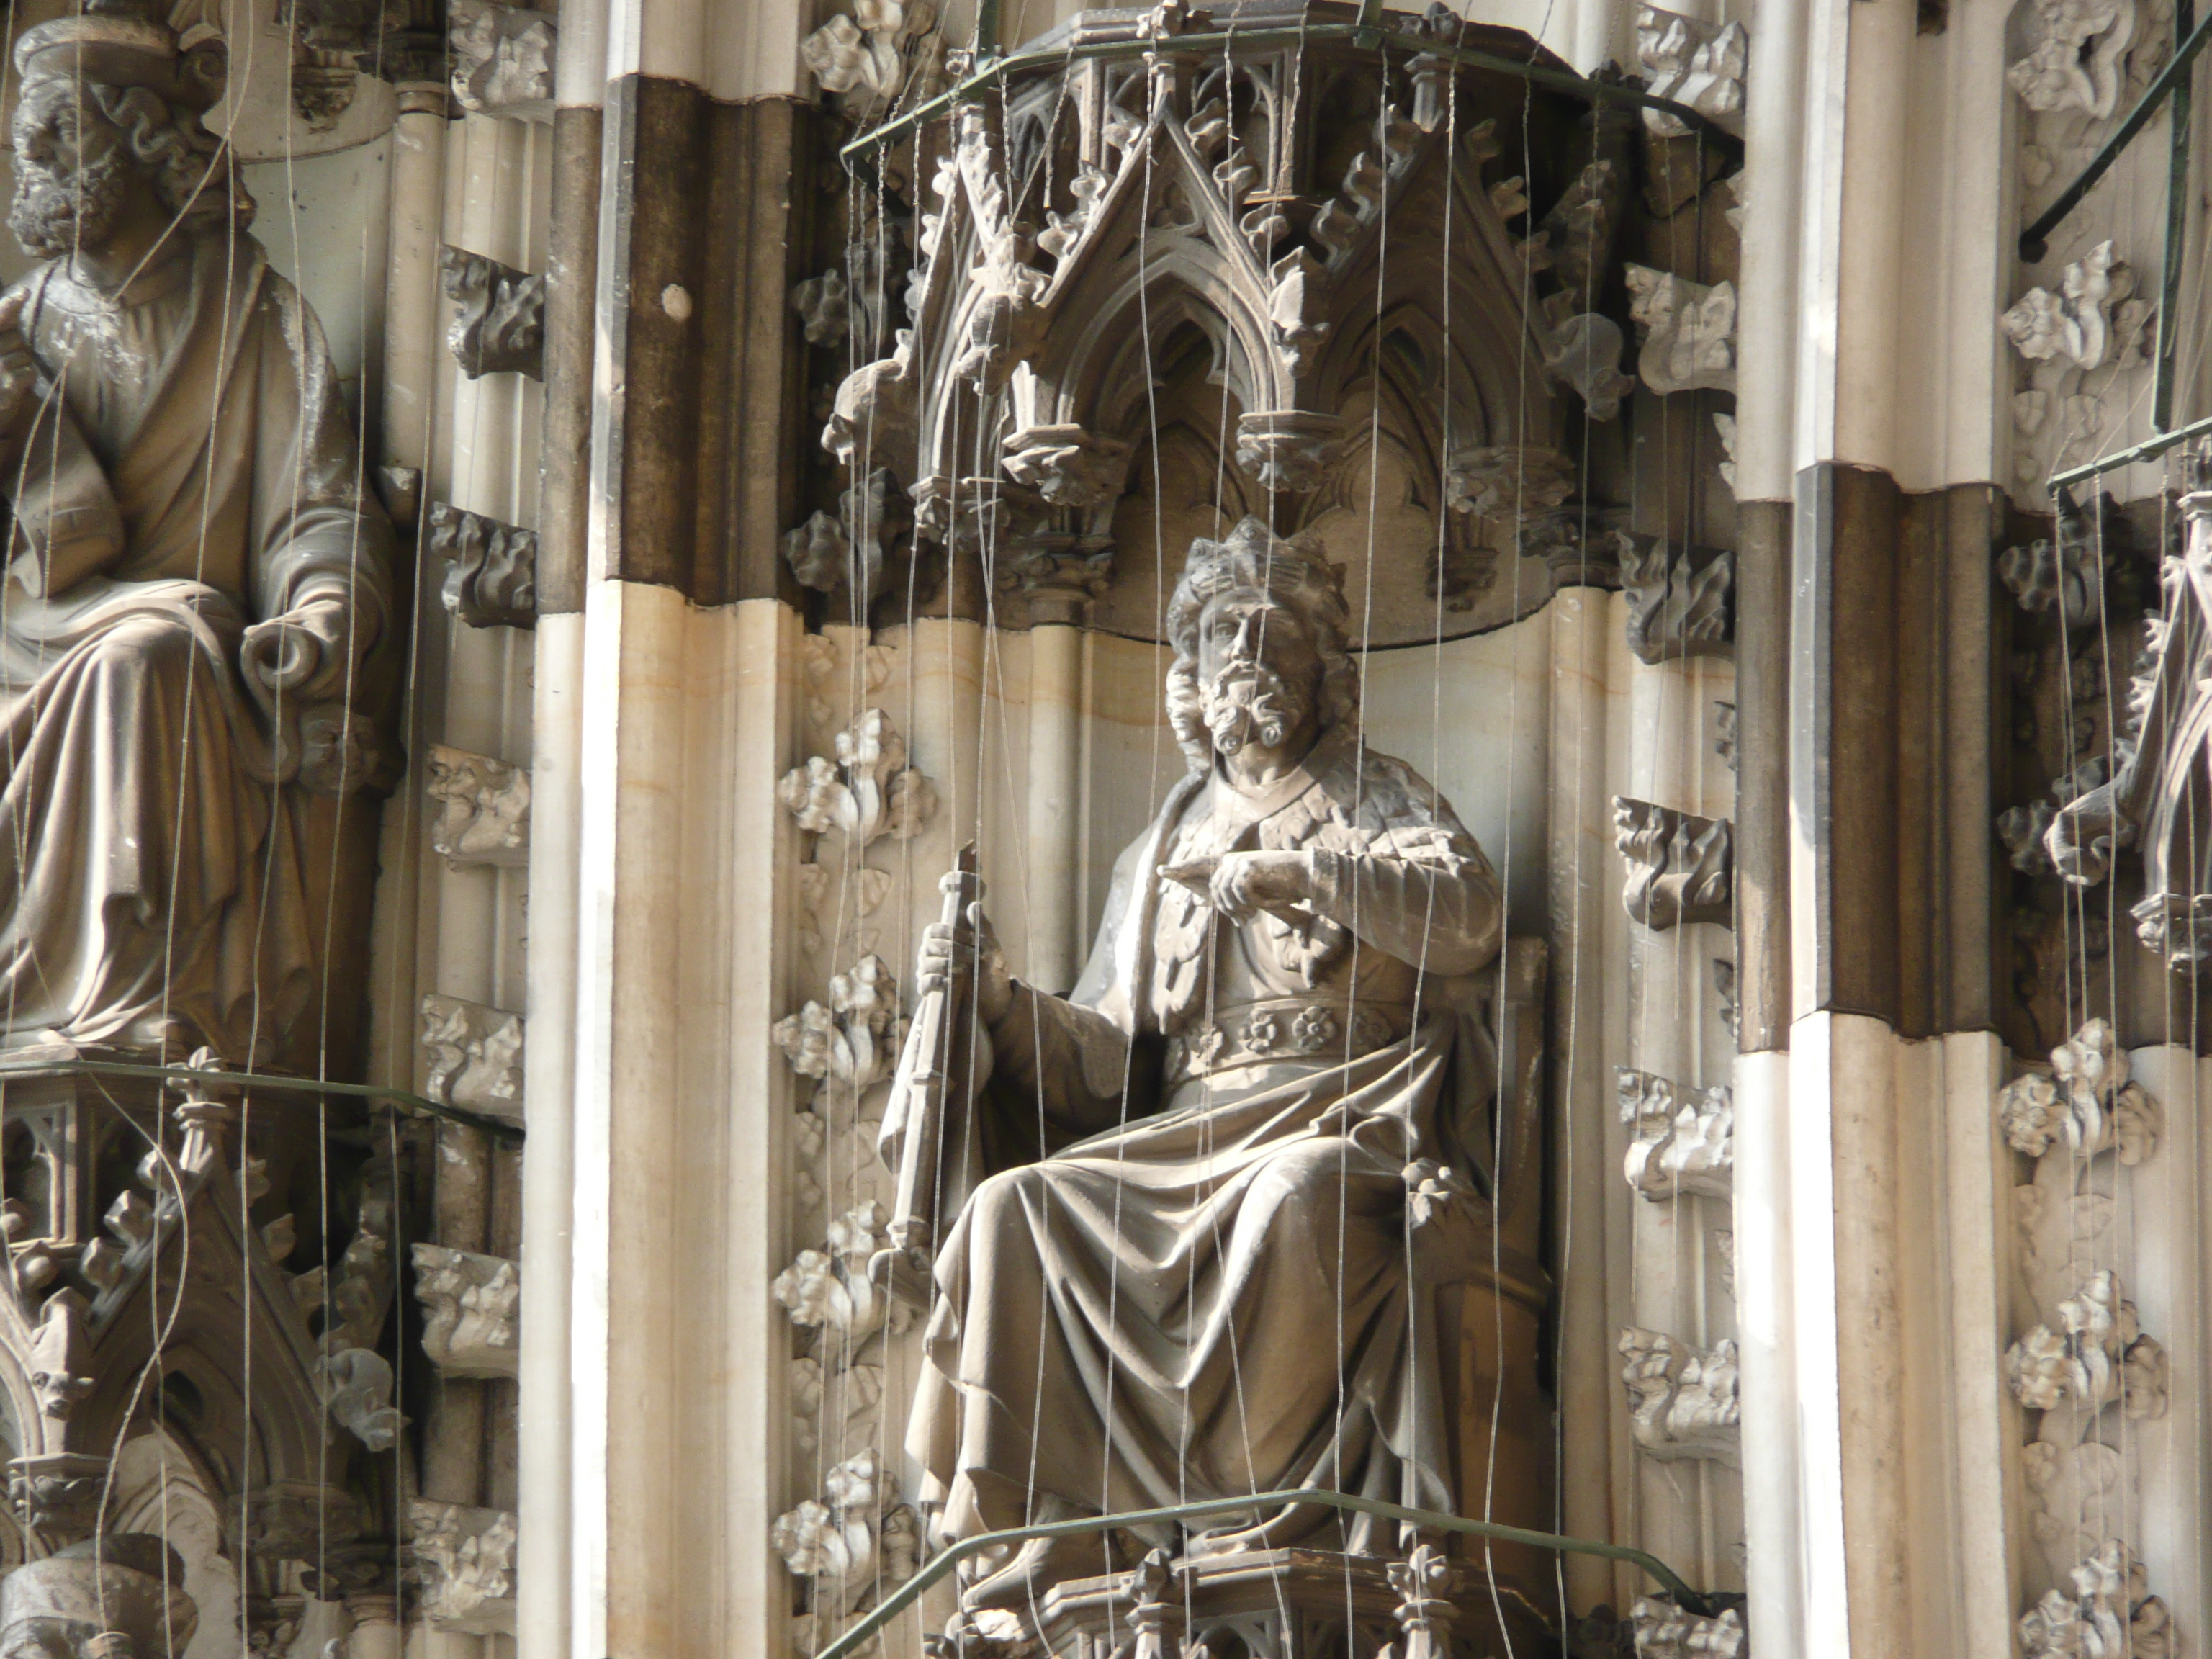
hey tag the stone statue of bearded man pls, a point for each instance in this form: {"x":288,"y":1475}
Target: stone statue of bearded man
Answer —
{"x":194,"y":576}
{"x":1185,"y":1275}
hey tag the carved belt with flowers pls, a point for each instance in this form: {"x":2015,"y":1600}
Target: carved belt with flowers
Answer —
{"x":1284,"y":1028}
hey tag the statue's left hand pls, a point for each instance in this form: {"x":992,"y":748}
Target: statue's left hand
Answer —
{"x":291,"y":653}
{"x":1242,"y":884}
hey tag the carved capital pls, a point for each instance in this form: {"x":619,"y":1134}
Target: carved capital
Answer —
{"x":491,"y":573}
{"x":502,"y":58}
{"x":292,"y":1521}
{"x":1680,"y":866}
{"x":1682,"y":1400}
{"x":57,"y":1495}
{"x":1685,"y":1138}
{"x":501,"y":327}
{"x":1288,"y":450}
{"x":484,"y":808}
{"x":470,"y":1306}
{"x":475,"y":1055}
{"x":1681,"y":600}
{"x":464,"y":1562}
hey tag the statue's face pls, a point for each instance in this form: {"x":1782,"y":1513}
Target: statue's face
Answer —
{"x":72,"y":168}
{"x":1259,"y":670}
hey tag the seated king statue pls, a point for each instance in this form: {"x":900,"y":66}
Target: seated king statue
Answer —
{"x":1183,"y":1271}
{"x":194,"y":575}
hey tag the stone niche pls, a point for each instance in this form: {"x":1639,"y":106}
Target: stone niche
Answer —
{"x":1184,"y":285}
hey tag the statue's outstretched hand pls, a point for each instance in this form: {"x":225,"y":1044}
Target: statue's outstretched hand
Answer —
{"x":972,"y":948}
{"x":19,"y":372}
{"x":1241,"y":884}
{"x":302,"y":651}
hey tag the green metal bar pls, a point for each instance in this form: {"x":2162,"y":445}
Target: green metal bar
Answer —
{"x":490,"y":1125}
{"x":988,"y":75}
{"x":2177,"y":230}
{"x":2034,"y":241}
{"x":2149,"y":450}
{"x":943,"y":1563}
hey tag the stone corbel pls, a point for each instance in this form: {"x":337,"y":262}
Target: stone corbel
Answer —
{"x":503,"y":58}
{"x":1685,"y":1138}
{"x":1680,"y":864}
{"x":484,"y":808}
{"x":1688,"y":61}
{"x":470,"y":1303}
{"x":491,"y":575}
{"x":1688,"y":329}
{"x":1682,"y":1400}
{"x":292,"y":1521}
{"x":463,"y":1561}
{"x":475,"y":1055}
{"x":866,"y":792}
{"x":1288,"y":450}
{"x":1664,"y":1631}
{"x":1681,"y":600}
{"x":501,"y":327}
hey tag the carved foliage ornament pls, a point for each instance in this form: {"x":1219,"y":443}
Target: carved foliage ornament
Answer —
{"x":484,"y":808}
{"x":502,"y":58}
{"x":464,"y":1559}
{"x":470,"y":1306}
{"x":1688,"y":330}
{"x":491,"y":568}
{"x":2079,"y":60}
{"x":1680,"y":864}
{"x":1682,"y":1400}
{"x":867,"y":791}
{"x":1685,"y":1138}
{"x":501,"y":325}
{"x":1689,"y":61}
{"x":1664,"y":1631}
{"x":1680,"y":599}
{"x":475,"y":1055}
{"x":2094,"y":318}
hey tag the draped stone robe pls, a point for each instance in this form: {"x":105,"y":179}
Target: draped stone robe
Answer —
{"x":1188,"y":1278}
{"x":191,"y":469}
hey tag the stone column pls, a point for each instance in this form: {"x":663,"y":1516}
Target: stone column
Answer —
{"x":1055,"y":819}
{"x":545,"y":1489}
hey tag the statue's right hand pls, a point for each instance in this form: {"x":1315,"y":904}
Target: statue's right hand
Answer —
{"x":18,"y":371}
{"x":972,"y":950}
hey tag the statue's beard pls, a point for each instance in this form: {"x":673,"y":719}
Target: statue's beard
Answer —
{"x":1249,"y":702}
{"x":55,"y":213}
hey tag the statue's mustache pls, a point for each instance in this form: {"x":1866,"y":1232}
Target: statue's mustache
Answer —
{"x":1248,"y":700}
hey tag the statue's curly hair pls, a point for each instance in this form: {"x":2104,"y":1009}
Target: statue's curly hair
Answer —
{"x":1295,"y":573}
{"x":195,"y":173}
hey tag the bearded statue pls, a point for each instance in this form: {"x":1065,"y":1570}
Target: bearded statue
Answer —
{"x":118,"y":1597}
{"x":195,"y":579}
{"x":1183,"y":1271}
